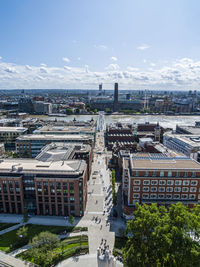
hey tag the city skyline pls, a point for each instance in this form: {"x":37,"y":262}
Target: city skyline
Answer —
{"x":77,"y":45}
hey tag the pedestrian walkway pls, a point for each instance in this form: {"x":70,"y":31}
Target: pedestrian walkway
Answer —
{"x":7,"y":260}
{"x":11,"y":228}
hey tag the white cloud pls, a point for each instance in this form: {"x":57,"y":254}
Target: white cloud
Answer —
{"x":180,"y":74}
{"x":112,"y":67}
{"x":78,"y":58}
{"x":152,"y":64}
{"x":66,"y":59}
{"x":114,"y":58}
{"x":143,"y":47}
{"x":0,"y":58}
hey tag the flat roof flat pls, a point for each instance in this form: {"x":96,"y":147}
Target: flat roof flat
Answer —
{"x":55,"y":137}
{"x":13,"y":129}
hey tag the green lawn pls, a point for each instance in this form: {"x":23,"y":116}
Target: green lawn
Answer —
{"x":68,"y":247}
{"x":8,"y":241}
{"x":6,"y":225}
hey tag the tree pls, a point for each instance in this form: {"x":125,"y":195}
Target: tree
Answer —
{"x":45,"y":241}
{"x":77,"y":110}
{"x":107,"y":110}
{"x":71,"y":219}
{"x":95,"y":110}
{"x":121,"y":232}
{"x":22,"y":235}
{"x":69,"y":111}
{"x":160,"y":237}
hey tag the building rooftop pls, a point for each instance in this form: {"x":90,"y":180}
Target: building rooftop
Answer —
{"x":54,"y":137}
{"x":13,"y":129}
{"x":48,"y":129}
{"x":158,"y":161}
{"x":190,"y":129}
{"x":20,"y":166}
{"x":188,"y":139}
{"x":61,"y":151}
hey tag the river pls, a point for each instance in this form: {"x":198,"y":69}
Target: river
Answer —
{"x":165,"y":121}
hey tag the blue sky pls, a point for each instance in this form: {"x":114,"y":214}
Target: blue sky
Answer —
{"x":151,"y":44}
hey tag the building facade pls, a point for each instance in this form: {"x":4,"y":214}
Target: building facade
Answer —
{"x":55,"y":188}
{"x":8,"y":136}
{"x":155,"y":178}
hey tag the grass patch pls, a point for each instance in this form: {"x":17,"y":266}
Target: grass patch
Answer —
{"x":8,"y":241}
{"x":120,"y":242}
{"x":68,"y":247}
{"x":6,"y":225}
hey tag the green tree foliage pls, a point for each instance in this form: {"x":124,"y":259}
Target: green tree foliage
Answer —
{"x":22,"y":235}
{"x":71,"y":219}
{"x":107,"y":110}
{"x":160,"y":237}
{"x":114,"y":195}
{"x":69,"y":111}
{"x":45,"y":241}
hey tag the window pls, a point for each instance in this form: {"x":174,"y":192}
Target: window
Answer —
{"x":154,"y":182}
{"x":161,"y":174}
{"x":154,"y":174}
{"x":145,"y":189}
{"x":192,"y":196}
{"x":193,"y":183}
{"x":193,"y":174}
{"x":154,"y":189}
{"x":136,"y":195}
{"x":177,"y":189}
{"x":193,"y":189}
{"x":185,"y":189}
{"x":169,"y":196}
{"x":146,"y":173}
{"x":185,"y":174}
{"x":169,"y":189}
{"x":161,"y":196}
{"x":170,"y":182}
{"x":176,"y":196}
{"x":136,"y":188}
{"x":184,"y":196}
{"x":153,"y":196}
{"x":161,"y":189}
{"x":169,"y":174}
{"x":177,"y":174}
{"x":136,"y":182}
{"x":199,"y":196}
{"x":146,"y":182}
{"x":136,"y":173}
{"x":162,"y":182}
{"x":178,"y":182}
{"x":186,"y":182}
{"x":145,"y":196}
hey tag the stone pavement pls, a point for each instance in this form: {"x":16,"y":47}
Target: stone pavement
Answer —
{"x":7,"y":260}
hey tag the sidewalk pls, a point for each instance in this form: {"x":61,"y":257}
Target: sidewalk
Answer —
{"x":11,"y":228}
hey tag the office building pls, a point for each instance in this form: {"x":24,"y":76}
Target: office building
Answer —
{"x":32,"y":144}
{"x":8,"y":136}
{"x":115,"y":103}
{"x":43,"y":188}
{"x":157,"y":178}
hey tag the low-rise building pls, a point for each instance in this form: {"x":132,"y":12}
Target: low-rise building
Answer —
{"x":8,"y":136}
{"x":157,"y":178}
{"x":187,"y":144}
{"x":43,"y":188}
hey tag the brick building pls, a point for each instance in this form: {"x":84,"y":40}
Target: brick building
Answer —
{"x":157,"y":178}
{"x":43,"y":188}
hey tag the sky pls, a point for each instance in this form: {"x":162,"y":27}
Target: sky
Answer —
{"x":77,"y":44}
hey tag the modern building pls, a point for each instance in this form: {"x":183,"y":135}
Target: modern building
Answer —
{"x":67,"y":130}
{"x":32,"y":144}
{"x":187,"y":144}
{"x":8,"y":136}
{"x":43,"y":188}
{"x":67,"y":151}
{"x":157,"y":178}
{"x":182,"y":129}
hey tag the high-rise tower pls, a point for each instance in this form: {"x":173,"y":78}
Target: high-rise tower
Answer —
{"x":115,"y":104}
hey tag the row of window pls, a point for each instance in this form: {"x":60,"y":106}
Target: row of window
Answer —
{"x":168,"y":182}
{"x":162,"y":174}
{"x":165,"y":189}
{"x":167,"y":196}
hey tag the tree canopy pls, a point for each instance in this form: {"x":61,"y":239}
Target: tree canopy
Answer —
{"x":160,"y":237}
